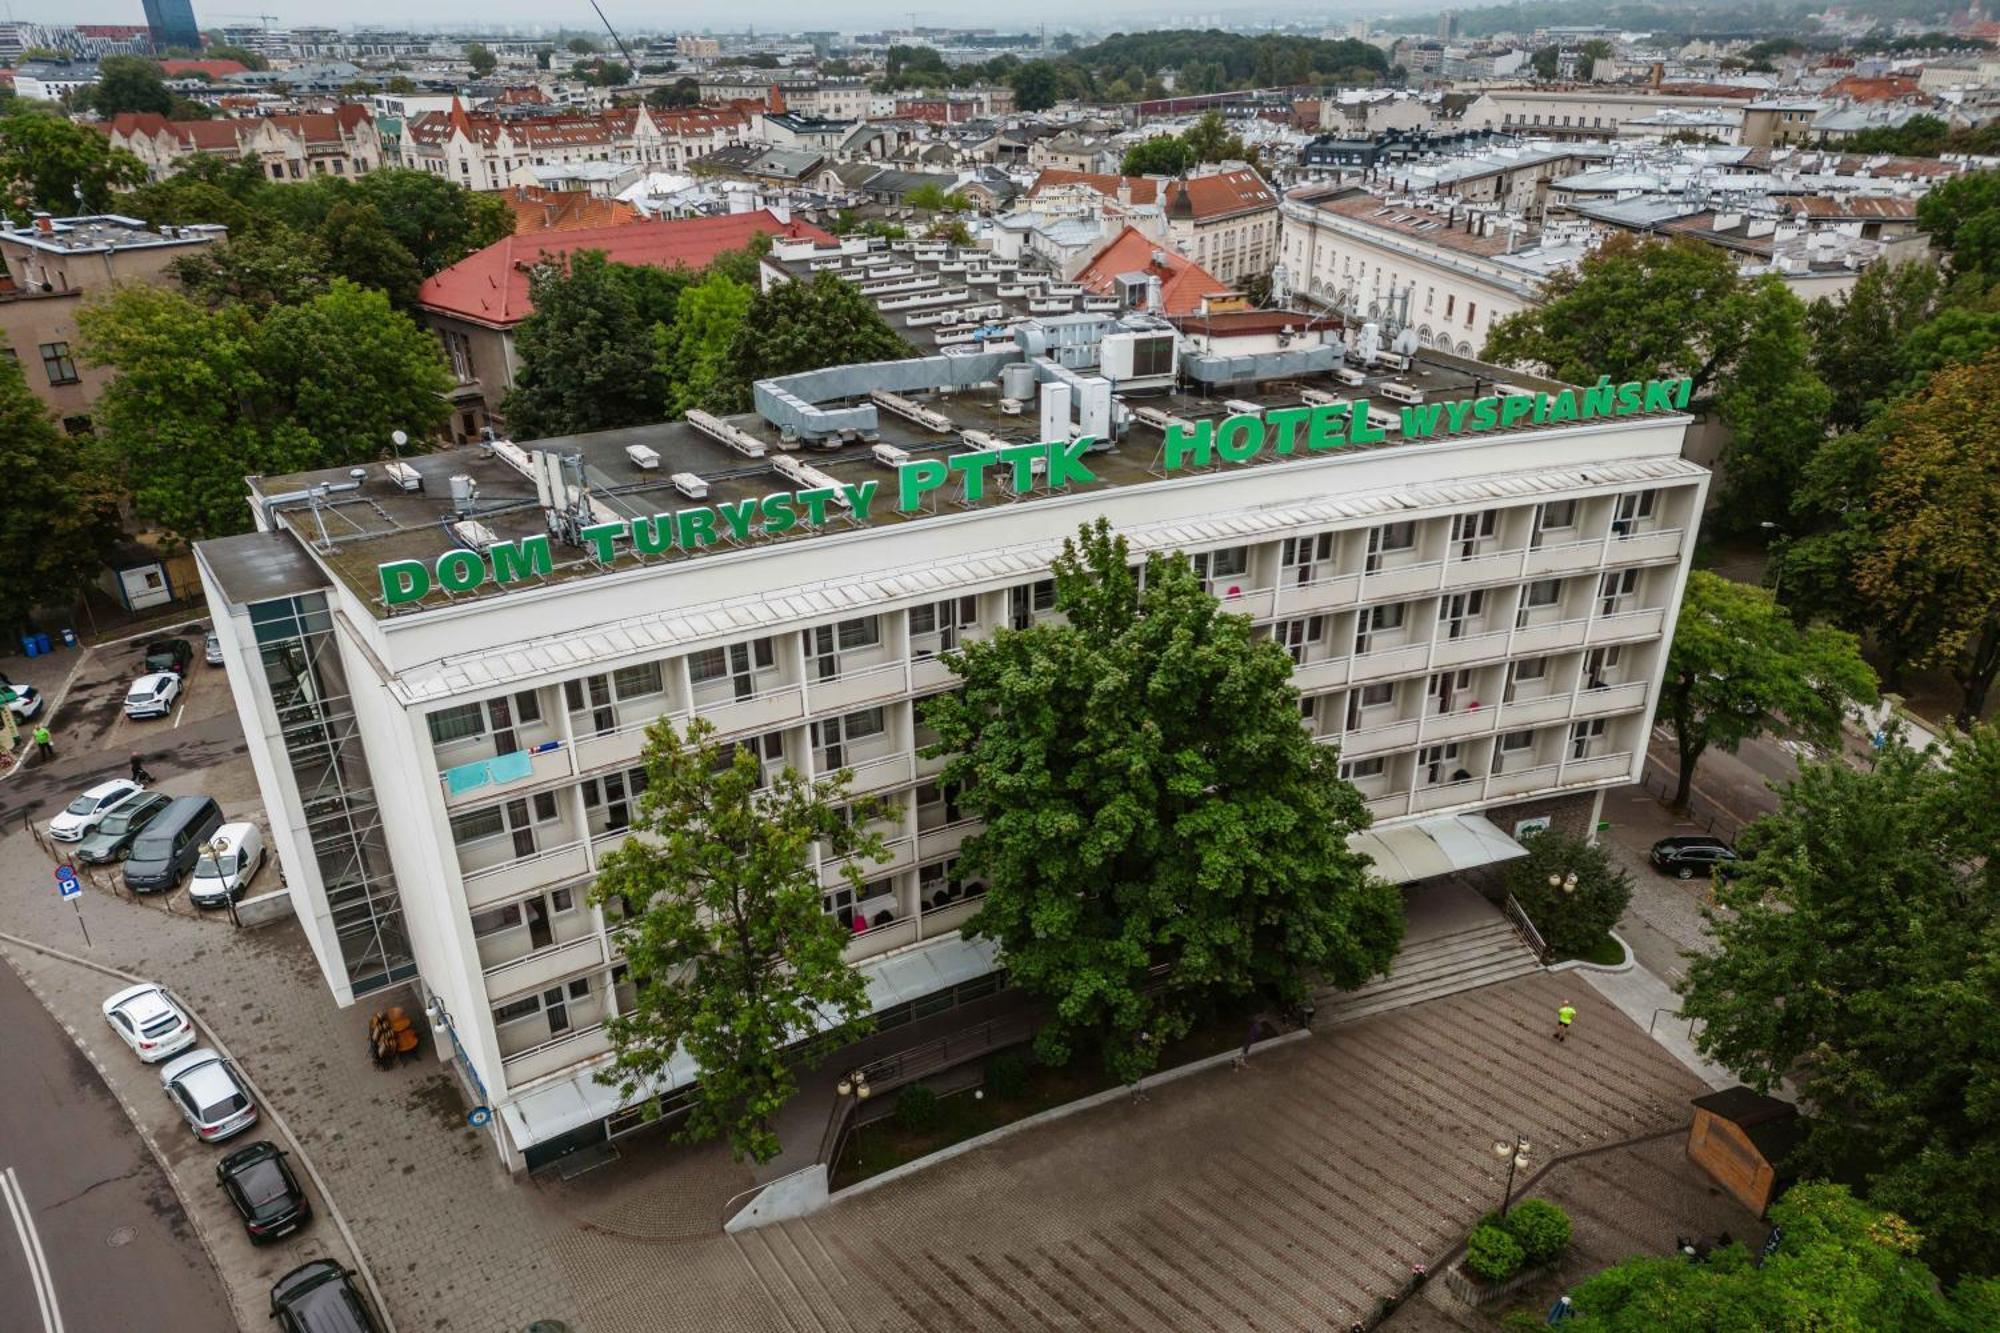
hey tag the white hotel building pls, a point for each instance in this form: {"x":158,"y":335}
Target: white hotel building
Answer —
{"x":1479,"y":621}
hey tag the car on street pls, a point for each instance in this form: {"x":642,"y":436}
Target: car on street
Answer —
{"x":175,"y":655}
{"x":148,"y":1021}
{"x":168,"y":847}
{"x":229,"y":861}
{"x":211,"y":648}
{"x":320,"y":1297}
{"x":153,"y":695}
{"x":27,"y":701}
{"x":112,"y":839}
{"x":209,"y":1095}
{"x":1693,"y":854}
{"x":266,"y":1194}
{"x":82,"y":815}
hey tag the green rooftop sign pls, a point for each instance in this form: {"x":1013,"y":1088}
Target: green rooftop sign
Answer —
{"x":1019,"y":469}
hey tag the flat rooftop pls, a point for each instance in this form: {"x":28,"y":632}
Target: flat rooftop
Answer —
{"x":357,"y":529}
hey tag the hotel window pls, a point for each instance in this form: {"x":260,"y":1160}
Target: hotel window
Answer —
{"x":1633,"y":506}
{"x":1600,"y":665}
{"x":1539,"y":595}
{"x":939,"y":624}
{"x":1460,"y":607}
{"x":1468,"y":531}
{"x":1471,"y":311}
{"x":1296,"y":635}
{"x":1361,"y":769}
{"x":1616,"y":590}
{"x":1514,"y":743}
{"x":1554,"y":516}
{"x":1213,"y":567}
{"x":1026,"y":602}
{"x":1300,"y":556}
{"x":1450,"y":299}
{"x":1584,"y":737}
{"x":1440,"y":764}
{"x":58,"y":364}
{"x":1389,"y":539}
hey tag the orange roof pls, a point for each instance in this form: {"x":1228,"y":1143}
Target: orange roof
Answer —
{"x":1891,"y":88}
{"x":215,"y":69}
{"x":1183,"y":283}
{"x":537,"y":210}
{"x":1204,"y":198}
{"x":226,"y":136}
{"x":491,"y":285}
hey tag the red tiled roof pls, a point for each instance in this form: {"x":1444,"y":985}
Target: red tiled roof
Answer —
{"x":491,"y":286}
{"x":226,"y":136}
{"x":1183,"y":283}
{"x":215,"y":69}
{"x":540,"y":210}
{"x":1204,"y":198}
{"x":1892,"y":88}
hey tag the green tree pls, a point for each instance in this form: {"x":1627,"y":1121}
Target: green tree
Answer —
{"x":929,"y":196}
{"x":48,"y":161}
{"x":242,"y":55}
{"x":1544,"y":62}
{"x":1160,"y":834}
{"x":1930,"y":574}
{"x":362,"y":248}
{"x":1739,"y":669}
{"x":679,"y":93}
{"x":1957,"y":335}
{"x":1633,"y":310}
{"x":352,"y":372}
{"x":1858,"y":956}
{"x":186,"y":108}
{"x":1576,"y":915}
{"x":804,"y":325}
{"x":264,"y":264}
{"x":438,"y":222}
{"x":691,"y":355}
{"x":585,"y":359}
{"x":1775,"y":407}
{"x":59,"y":514}
{"x":732,"y":956}
{"x":1963,"y":218}
{"x":482,"y":61}
{"x":1161,"y":155}
{"x":1841,"y":1265}
{"x":1209,"y":140}
{"x":130,"y":83}
{"x":1858,"y":340}
{"x":582,"y":46}
{"x":1036,"y":86}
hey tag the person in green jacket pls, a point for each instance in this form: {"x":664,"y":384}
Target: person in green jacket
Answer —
{"x":44,"y":744}
{"x":1564,"y":1017}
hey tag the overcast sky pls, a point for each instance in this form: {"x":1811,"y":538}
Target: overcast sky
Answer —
{"x":845,"y":15}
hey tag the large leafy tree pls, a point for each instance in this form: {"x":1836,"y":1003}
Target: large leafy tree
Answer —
{"x":585,"y":358}
{"x":1858,"y":340}
{"x":1571,"y":889}
{"x":1775,"y":407}
{"x":692,"y":352}
{"x":1160,"y":833}
{"x":1858,"y":955}
{"x":732,"y":955}
{"x":1841,"y":1265}
{"x":59,"y":511}
{"x":48,"y":161}
{"x":265,"y":264}
{"x":1633,"y":310}
{"x":1161,"y":155}
{"x":130,"y":83}
{"x":1930,"y":572}
{"x":1740,"y":668}
{"x":1963,"y":218}
{"x":363,"y":248}
{"x":352,"y":372}
{"x":804,"y":325}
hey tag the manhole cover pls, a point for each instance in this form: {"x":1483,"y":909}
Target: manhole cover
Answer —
{"x":122,"y":1236}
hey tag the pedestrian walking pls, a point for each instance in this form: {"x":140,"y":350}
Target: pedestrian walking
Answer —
{"x":1564,"y":1017}
{"x":45,"y":743}
{"x":139,"y":773}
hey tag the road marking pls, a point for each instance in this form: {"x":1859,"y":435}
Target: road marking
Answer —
{"x":183,"y":713}
{"x":31,"y":1246}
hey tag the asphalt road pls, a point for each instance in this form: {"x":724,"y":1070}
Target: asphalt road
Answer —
{"x":117,"y":1248}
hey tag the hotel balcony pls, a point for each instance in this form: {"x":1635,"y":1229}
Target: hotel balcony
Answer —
{"x":510,"y":879}
{"x":533,"y":971}
{"x":857,"y":689}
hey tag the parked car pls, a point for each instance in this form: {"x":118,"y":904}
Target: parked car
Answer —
{"x":266,"y":1194}
{"x":1686,"y":857}
{"x":153,"y":695}
{"x":175,"y":655}
{"x":112,"y":839}
{"x":167,"y":848}
{"x":320,"y":1297}
{"x":211,"y":649}
{"x":27,"y":701}
{"x":227,"y":864}
{"x":211,"y":1098}
{"x":83,"y":814}
{"x":149,"y":1022}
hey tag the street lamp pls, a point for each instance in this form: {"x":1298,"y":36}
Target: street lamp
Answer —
{"x":1515,"y":1154}
{"x":1567,"y":883}
{"x":1778,"y":579}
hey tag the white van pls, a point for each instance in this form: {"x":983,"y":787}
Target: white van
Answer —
{"x":227,"y":865}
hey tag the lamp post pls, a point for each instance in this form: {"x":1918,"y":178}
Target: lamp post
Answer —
{"x":1567,"y":883}
{"x":1515,"y":1154}
{"x":855,"y":1086}
{"x":1778,"y":579}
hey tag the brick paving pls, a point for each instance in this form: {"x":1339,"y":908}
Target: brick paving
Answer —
{"x":1288,"y":1195}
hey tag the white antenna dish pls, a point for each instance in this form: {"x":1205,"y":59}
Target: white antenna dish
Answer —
{"x":398,"y":438}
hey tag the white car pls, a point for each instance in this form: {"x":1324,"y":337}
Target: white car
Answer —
{"x":211,"y":649}
{"x":209,"y":1096}
{"x":27,"y":701}
{"x":153,"y":696}
{"x":82,"y":815}
{"x":151,"y":1024}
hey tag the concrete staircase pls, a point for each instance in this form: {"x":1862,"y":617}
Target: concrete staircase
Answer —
{"x":1441,"y":965}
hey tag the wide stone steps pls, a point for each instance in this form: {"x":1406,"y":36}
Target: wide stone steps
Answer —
{"x":1445,"y":965}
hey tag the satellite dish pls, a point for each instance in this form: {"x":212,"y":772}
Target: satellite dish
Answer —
{"x":399,"y":438}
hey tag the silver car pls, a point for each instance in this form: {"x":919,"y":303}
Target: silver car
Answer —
{"x":211,"y":649}
{"x":211,"y":1098}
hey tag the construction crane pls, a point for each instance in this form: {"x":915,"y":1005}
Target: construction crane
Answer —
{"x":630,"y":63}
{"x":266,"y":19}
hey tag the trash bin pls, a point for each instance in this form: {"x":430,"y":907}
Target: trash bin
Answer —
{"x":69,"y":638}
{"x":30,"y":645}
{"x":43,"y":645}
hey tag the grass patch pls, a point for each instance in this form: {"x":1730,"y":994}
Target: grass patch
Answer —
{"x":1607,"y":952}
{"x":884,"y":1144}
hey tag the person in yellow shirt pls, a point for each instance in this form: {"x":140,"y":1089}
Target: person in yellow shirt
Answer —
{"x":44,"y":744}
{"x":1564,"y":1017}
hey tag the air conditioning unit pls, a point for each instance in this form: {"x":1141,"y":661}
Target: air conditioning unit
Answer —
{"x":690,"y":485}
{"x":643,"y":457}
{"x":403,"y":476}
{"x":1012,"y":407}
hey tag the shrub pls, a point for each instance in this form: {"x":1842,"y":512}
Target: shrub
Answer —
{"x":1007,"y":1075}
{"x":917,"y":1108}
{"x":1492,"y":1254}
{"x":1572,"y":921}
{"x":1541,"y":1230}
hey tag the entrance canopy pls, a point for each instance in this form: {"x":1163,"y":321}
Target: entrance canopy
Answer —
{"x":1406,"y":852}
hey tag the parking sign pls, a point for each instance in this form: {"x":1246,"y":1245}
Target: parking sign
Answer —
{"x":67,"y":884}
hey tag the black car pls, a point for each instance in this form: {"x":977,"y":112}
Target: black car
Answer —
{"x":320,"y":1297}
{"x":264,"y":1191}
{"x":174,"y":655}
{"x":1687,"y":857}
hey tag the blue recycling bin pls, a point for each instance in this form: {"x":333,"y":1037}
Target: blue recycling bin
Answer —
{"x":43,"y":645}
{"x":69,"y":638}
{"x":30,"y":646}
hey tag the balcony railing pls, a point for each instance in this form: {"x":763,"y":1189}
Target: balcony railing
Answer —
{"x":623,"y":743}
{"x":852,"y":689}
{"x":763,"y":711}
{"x":534,"y":970}
{"x":557,"y":1053}
{"x":511,"y":878}
{"x":474,"y":787}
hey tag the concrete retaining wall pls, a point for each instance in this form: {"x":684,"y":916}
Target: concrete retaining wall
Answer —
{"x":265,"y":908}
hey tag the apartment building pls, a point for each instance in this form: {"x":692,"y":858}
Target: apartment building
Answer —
{"x":1595,"y":112}
{"x":483,"y":150}
{"x":342,"y":142}
{"x":1478,"y":615}
{"x":1225,"y":221}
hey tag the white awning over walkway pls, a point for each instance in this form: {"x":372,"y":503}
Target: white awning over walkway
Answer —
{"x":1406,"y":852}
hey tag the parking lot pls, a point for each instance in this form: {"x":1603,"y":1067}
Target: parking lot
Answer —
{"x":90,"y":717}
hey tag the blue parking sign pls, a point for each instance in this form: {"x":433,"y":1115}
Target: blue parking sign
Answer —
{"x":67,"y":884}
